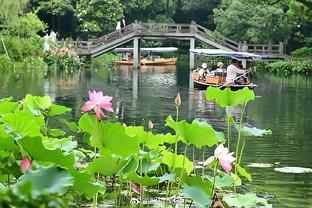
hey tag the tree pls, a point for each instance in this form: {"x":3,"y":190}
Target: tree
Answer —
{"x":244,"y":20}
{"x":97,"y":16}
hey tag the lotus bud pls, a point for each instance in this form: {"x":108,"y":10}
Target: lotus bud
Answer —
{"x":178,"y":100}
{"x":150,"y":124}
{"x":25,"y":164}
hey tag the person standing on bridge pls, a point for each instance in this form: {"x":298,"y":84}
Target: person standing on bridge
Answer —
{"x":121,"y":23}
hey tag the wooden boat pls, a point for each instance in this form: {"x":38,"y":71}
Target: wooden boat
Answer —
{"x":151,"y":60}
{"x":156,"y":61}
{"x":218,"y":79}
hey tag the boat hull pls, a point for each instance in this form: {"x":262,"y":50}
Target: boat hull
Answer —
{"x":219,"y":83}
{"x":156,"y":62}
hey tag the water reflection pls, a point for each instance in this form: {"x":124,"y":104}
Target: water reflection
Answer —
{"x":283,"y":105}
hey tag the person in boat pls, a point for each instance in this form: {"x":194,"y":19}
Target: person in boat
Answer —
{"x":218,"y":70}
{"x":203,"y":72}
{"x":232,"y":72}
{"x":220,"y":67}
{"x":125,"y":56}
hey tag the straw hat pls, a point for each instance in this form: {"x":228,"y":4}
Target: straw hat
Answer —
{"x":219,"y":64}
{"x":204,"y":66}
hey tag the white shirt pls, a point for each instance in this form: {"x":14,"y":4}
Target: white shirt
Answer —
{"x":232,"y":71}
{"x":53,"y":36}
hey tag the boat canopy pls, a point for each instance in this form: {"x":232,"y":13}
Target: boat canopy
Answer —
{"x":218,"y":52}
{"x":158,"y":49}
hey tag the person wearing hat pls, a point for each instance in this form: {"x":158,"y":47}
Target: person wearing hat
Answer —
{"x":232,"y":71}
{"x":203,"y":72}
{"x":220,"y":67}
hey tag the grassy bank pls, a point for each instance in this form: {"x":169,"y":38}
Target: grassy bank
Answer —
{"x":286,"y":67}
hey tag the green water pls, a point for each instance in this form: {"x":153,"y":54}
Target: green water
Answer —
{"x":282,"y":104}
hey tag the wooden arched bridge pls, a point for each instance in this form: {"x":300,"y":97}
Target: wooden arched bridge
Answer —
{"x":192,"y":32}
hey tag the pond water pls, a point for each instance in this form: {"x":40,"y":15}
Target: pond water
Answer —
{"x":282,"y":105}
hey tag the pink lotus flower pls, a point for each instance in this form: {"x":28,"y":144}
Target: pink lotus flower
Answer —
{"x":225,"y":158}
{"x":25,"y":164}
{"x":96,"y":102}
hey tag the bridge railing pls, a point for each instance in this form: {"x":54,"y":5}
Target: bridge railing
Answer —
{"x":216,"y":37}
{"x":166,"y":28}
{"x":266,"y":48}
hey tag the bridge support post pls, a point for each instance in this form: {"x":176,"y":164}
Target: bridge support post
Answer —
{"x":192,"y":55}
{"x":136,"y":53}
{"x":244,"y":49}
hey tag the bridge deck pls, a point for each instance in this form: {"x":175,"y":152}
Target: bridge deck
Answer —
{"x":175,"y":31}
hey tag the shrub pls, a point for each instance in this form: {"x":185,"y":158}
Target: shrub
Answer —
{"x":286,"y":67}
{"x":65,"y":58}
{"x":19,"y":48}
{"x":302,"y":52}
{"x":5,"y":63}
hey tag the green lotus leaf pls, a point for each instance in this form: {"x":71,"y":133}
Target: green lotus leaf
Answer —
{"x":66,"y":144}
{"x":224,"y":181}
{"x":176,"y":162}
{"x":243,"y":172}
{"x":84,"y":183}
{"x":197,"y":133}
{"x":107,"y":164}
{"x":7,"y":141}
{"x":47,"y":180}
{"x":35,"y":149}
{"x":56,"y":110}
{"x":198,"y":190}
{"x":248,"y":200}
{"x":150,"y":140}
{"x":167,"y":177}
{"x":7,"y":106}
{"x":227,"y":97}
{"x":2,"y":188}
{"x":23,"y":123}
{"x":36,"y":104}
{"x":56,"y":132}
{"x":145,"y":180}
{"x":250,"y":132}
{"x":110,"y":135}
{"x":71,"y":125}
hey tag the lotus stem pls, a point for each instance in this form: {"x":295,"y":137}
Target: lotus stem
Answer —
{"x":182,"y":172}
{"x":203,"y":158}
{"x":239,"y":132}
{"x":214,"y":177}
{"x":96,"y":178}
{"x":242,"y":150}
{"x":228,"y":127}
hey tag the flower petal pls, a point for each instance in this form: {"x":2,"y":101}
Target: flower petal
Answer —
{"x":209,"y":160}
{"x":89,"y":105}
{"x":99,"y":113}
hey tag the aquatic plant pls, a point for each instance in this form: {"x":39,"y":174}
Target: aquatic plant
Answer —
{"x":42,"y":165}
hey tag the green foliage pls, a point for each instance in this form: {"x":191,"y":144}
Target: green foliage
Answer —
{"x":302,"y":52}
{"x":123,"y":156}
{"x":176,"y":161}
{"x":25,"y":26}
{"x":227,"y":97}
{"x":64,"y":58}
{"x":198,"y":190}
{"x":20,"y":48}
{"x":98,"y":16}
{"x":287,"y":67}
{"x":247,"y":201}
{"x":6,"y":63}
{"x":47,"y":180}
{"x":197,"y":133}
{"x":244,"y":20}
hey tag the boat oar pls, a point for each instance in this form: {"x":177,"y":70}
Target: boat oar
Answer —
{"x":235,"y":78}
